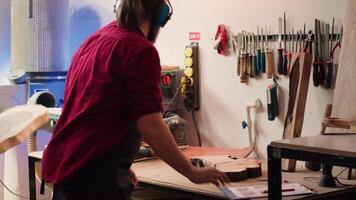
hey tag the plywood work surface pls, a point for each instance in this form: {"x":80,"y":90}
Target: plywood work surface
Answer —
{"x":158,"y":173}
{"x":214,"y":151}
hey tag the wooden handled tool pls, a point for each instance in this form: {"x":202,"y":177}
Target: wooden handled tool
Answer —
{"x":259,"y":52}
{"x":289,"y":53}
{"x":263,"y":54}
{"x":269,"y":59}
{"x":321,"y":62}
{"x":317,"y":62}
{"x":244,"y":60}
{"x":280,"y":49}
{"x":285,"y":56}
{"x":329,"y":63}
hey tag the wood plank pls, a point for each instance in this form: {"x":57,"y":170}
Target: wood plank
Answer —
{"x":300,"y":75}
{"x":17,"y":123}
{"x":345,"y":92}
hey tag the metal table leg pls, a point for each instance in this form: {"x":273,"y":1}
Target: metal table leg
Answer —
{"x":274,"y":173}
{"x":32,"y":178}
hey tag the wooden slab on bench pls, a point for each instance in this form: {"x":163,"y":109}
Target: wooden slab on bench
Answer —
{"x":17,"y":123}
{"x":237,"y":169}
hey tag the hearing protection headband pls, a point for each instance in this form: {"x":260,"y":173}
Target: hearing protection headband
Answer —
{"x":164,"y":14}
{"x":165,"y":11}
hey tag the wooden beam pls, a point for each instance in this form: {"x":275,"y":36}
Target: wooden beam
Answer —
{"x":298,"y":92}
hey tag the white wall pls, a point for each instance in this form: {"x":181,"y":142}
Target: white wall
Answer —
{"x":222,"y":96}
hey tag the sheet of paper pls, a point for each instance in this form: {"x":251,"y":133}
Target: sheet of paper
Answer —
{"x":288,"y":189}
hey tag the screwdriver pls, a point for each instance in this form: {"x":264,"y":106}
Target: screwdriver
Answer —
{"x":239,"y":58}
{"x":259,"y":52}
{"x":321,"y":63}
{"x":280,"y":49}
{"x":253,"y":59}
{"x":263,"y":54}
{"x":289,"y":53}
{"x":316,"y":63}
{"x":249,"y":57}
{"x":329,"y":63}
{"x":243,"y":77}
{"x":269,"y":59}
{"x":285,"y":59}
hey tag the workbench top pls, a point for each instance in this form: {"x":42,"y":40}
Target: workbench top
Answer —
{"x":158,"y":173}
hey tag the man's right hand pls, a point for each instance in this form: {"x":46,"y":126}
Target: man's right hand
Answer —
{"x":207,"y":175}
{"x":159,"y":137}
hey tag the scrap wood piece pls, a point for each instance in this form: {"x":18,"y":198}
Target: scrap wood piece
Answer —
{"x":17,"y":123}
{"x":298,"y":92}
{"x":236,"y":169}
{"x":345,"y":93}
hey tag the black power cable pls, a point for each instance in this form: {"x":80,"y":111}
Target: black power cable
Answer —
{"x":196,"y":127}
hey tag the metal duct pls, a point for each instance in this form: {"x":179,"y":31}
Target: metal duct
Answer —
{"x":39,"y":35}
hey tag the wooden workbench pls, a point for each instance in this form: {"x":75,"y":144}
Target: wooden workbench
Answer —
{"x":338,"y":150}
{"x":158,"y":174}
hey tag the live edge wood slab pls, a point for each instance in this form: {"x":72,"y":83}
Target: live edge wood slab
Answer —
{"x":237,"y":169}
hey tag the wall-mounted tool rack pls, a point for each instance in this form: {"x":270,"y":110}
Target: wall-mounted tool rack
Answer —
{"x":274,"y":37}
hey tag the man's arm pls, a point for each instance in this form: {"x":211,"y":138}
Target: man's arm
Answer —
{"x":156,"y":133}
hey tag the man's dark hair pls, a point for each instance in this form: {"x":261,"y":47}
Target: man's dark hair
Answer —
{"x":131,"y":13}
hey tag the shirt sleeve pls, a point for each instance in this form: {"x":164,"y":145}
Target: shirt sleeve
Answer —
{"x":143,"y":83}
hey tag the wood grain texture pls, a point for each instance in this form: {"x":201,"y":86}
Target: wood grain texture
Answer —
{"x":215,"y":151}
{"x":299,"y":83}
{"x":158,"y":173}
{"x":237,"y":169}
{"x":345,"y":86}
{"x":17,"y":123}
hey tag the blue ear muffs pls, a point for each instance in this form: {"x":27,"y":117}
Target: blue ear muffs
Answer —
{"x":163,"y":15}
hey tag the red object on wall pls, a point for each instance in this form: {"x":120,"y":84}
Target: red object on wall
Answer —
{"x":221,"y":38}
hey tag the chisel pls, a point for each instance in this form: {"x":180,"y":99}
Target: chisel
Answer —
{"x":259,"y":53}
{"x":269,"y":59}
{"x":244,"y":63}
{"x":285,"y":59}
{"x":301,"y":41}
{"x":289,"y":53}
{"x":280,"y":49}
{"x":321,"y":62}
{"x":329,"y":62}
{"x":263,"y":54}
{"x":239,"y":39}
{"x":316,"y":63}
{"x":249,"y":55}
{"x":254,"y":57}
